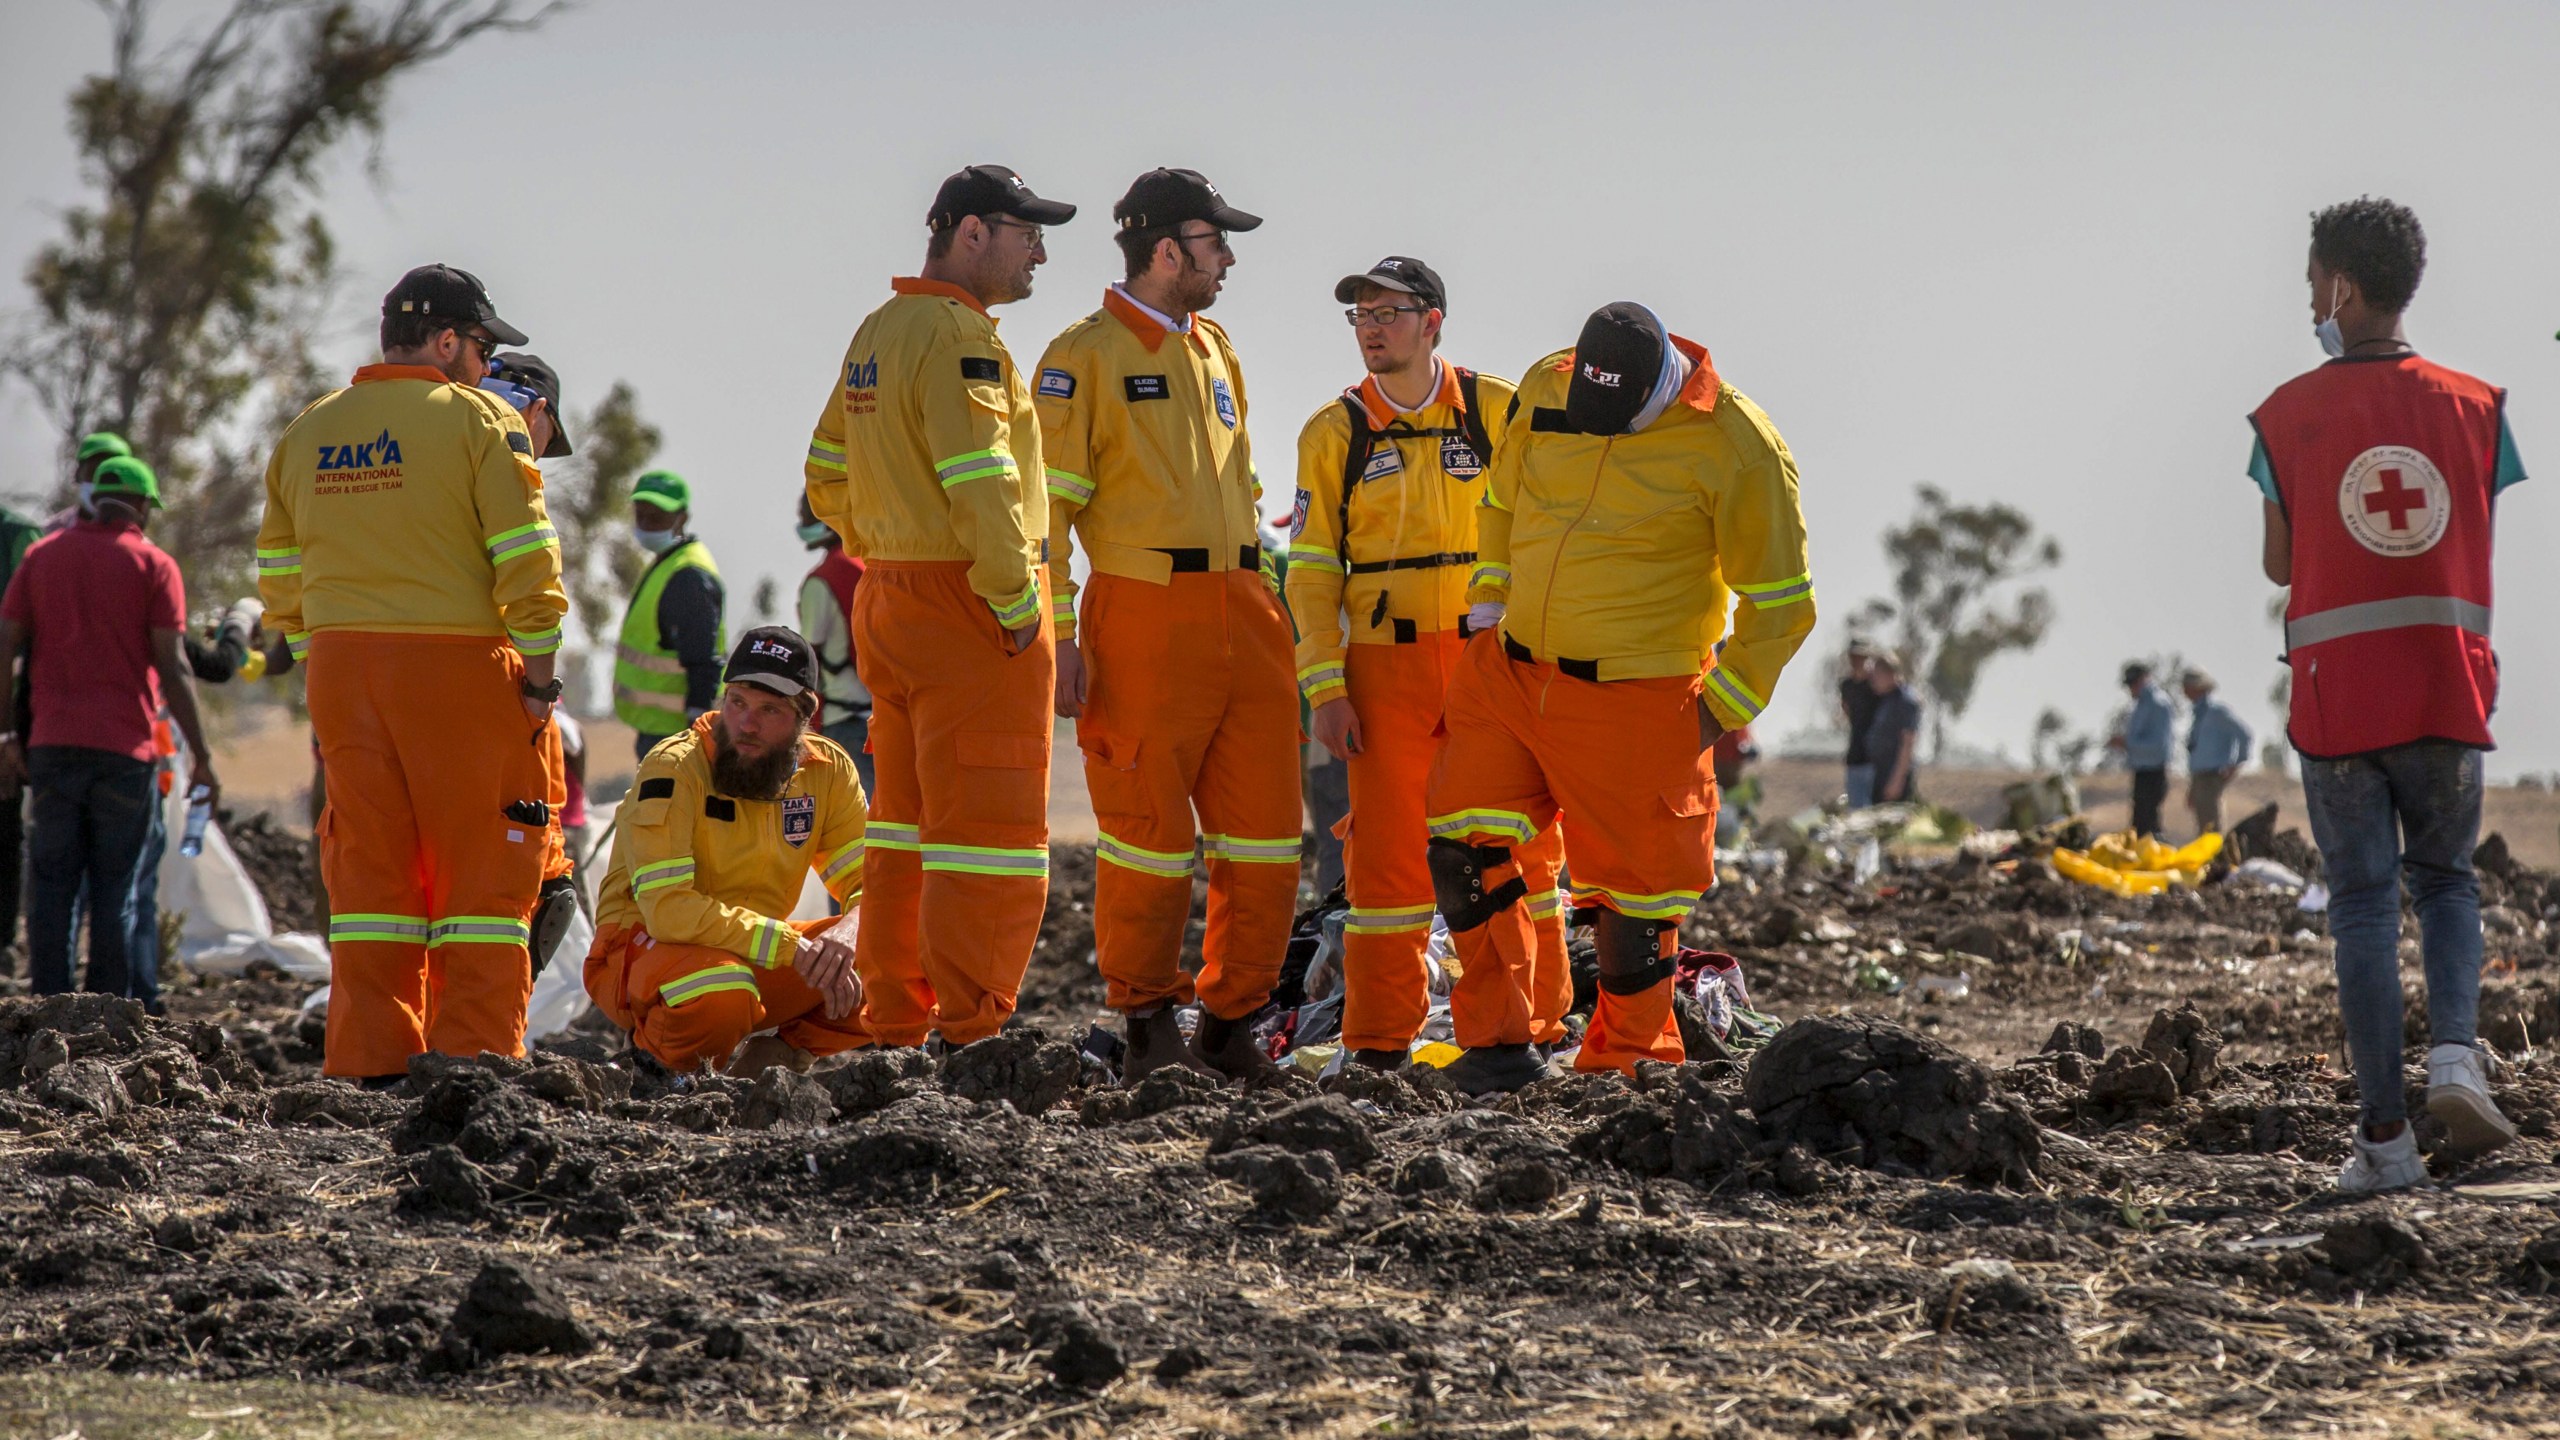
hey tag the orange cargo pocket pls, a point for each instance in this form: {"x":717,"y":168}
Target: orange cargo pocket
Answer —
{"x":1001,"y":752}
{"x":1111,"y":775}
{"x":1688,"y":801}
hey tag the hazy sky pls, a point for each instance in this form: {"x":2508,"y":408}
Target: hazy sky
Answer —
{"x":2045,"y":253}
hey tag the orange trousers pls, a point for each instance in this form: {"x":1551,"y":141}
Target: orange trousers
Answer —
{"x":685,"y":1004}
{"x":1191,"y":703}
{"x":431,"y":886}
{"x":1398,"y":692}
{"x":1621,"y":761}
{"x":956,"y":857}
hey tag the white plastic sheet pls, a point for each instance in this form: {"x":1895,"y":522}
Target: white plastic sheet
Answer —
{"x":227,"y":928}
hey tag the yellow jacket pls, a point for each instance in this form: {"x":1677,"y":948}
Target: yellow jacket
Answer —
{"x":694,"y":867}
{"x":1627,"y":551}
{"x":1144,"y":434}
{"x":1412,"y":537}
{"x":929,"y":449}
{"x":411,"y":504}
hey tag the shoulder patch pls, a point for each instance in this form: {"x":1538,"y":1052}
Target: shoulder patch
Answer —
{"x":1225,"y":400}
{"x":981,"y":367}
{"x":1057,"y":385}
{"x":657,"y":787}
{"x":1298,"y":515}
{"x":799,"y":819}
{"x":719,"y":807}
{"x":522,"y":444}
{"x":1384,"y":461}
{"x":1145,"y":387}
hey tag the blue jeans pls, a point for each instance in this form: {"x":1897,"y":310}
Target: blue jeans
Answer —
{"x":92,"y":813}
{"x":142,"y":948}
{"x":853,"y":734}
{"x":1861,"y":785}
{"x":2412,"y":810}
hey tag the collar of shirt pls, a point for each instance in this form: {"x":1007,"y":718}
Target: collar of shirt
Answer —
{"x":1381,"y":409}
{"x":372,"y":373}
{"x":1148,"y":323}
{"x":918,"y":285}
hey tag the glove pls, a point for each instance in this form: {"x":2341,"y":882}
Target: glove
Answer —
{"x":1484,"y":615}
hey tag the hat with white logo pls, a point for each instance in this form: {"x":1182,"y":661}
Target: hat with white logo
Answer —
{"x":1400,"y":273}
{"x":775,"y":657}
{"x":1614,"y":366}
{"x":1169,"y":197}
{"x":992,"y":190}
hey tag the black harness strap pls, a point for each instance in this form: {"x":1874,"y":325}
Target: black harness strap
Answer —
{"x":1355,"y":466}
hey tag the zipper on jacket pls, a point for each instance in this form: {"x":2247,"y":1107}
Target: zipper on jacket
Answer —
{"x":1546,"y":606}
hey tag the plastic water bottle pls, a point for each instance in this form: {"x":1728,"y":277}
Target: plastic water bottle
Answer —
{"x":199,"y":815}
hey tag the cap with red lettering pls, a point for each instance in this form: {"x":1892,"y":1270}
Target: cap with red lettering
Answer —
{"x":775,"y":657}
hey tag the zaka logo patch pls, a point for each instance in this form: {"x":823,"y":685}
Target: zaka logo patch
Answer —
{"x":380,"y":451}
{"x":1226,"y":399}
{"x":799,"y":818}
{"x":1459,"y":458}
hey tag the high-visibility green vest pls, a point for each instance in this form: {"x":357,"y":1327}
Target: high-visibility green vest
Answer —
{"x":648,"y":679}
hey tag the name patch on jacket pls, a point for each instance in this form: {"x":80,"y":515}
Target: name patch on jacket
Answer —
{"x":1459,"y":458}
{"x":719,"y":807}
{"x":519,"y":442}
{"x":1145,"y":387}
{"x":658,"y":787}
{"x":1226,"y":401}
{"x":980,"y":367}
{"x":1057,"y":384}
{"x":799,"y":817}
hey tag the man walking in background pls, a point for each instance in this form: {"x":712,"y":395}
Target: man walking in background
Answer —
{"x":927,"y":461}
{"x":1382,"y":546}
{"x":1182,"y":693}
{"x":101,"y":614}
{"x":1857,"y":713}
{"x":2218,"y":742}
{"x":2144,"y":743}
{"x":666,"y":671}
{"x":407,"y":557}
{"x":826,"y":619}
{"x":2381,"y":473}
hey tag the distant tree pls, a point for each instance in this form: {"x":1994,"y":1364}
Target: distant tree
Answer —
{"x":1957,"y":603}
{"x":2058,"y":747}
{"x":589,"y":497}
{"x":768,"y":595}
{"x":181,"y":305}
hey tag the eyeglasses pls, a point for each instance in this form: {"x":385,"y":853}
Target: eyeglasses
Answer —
{"x":488,"y":344}
{"x":1219,"y":236}
{"x":1382,"y":315}
{"x":1036,"y":232}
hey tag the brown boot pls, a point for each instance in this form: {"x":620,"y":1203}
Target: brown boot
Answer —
{"x":1497,"y":1069}
{"x":764,"y":1052}
{"x":1155,"y":1041}
{"x":1227,"y":1046}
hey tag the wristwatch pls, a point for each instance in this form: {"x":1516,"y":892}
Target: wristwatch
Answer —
{"x":548,"y":694}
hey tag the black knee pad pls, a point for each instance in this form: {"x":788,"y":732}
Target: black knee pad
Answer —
{"x":552,"y":913}
{"x":1457,"y":882}
{"x":1630,"y":953}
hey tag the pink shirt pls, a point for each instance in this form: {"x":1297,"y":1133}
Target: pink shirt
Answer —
{"x":87,"y":599}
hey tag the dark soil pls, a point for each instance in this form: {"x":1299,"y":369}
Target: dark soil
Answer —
{"x":1897,"y":1219}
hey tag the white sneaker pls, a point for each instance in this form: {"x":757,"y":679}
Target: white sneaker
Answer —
{"x":2391,"y":1164}
{"x":2458,"y":1095}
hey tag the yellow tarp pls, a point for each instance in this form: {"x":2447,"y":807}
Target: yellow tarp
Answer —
{"x":2127,"y":864}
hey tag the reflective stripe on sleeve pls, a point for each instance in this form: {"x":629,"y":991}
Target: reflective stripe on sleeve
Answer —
{"x":705,"y":982}
{"x":883,"y":835}
{"x":1023,"y":610}
{"x":1324,"y":674}
{"x":1146,"y":862}
{"x":522,"y":540}
{"x":844,"y":861}
{"x":826,"y":456}
{"x":541,"y":643}
{"x":390,"y":929}
{"x":1323,"y":557}
{"x":660,"y":874}
{"x":1736,"y":694}
{"x":1769,"y":595}
{"x":1490,"y":575}
{"x":298,"y":645}
{"x":286,"y":561}
{"x":1066,"y":486}
{"x":771,"y":943}
{"x":1062,"y":607}
{"x":960,"y":469}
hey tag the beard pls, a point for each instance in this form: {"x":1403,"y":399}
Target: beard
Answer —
{"x":1195,"y":289}
{"x":751,"y":778}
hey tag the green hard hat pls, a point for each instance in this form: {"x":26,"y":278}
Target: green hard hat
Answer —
{"x":664,"y":489}
{"x":102,"y":442}
{"x":124,"y":475}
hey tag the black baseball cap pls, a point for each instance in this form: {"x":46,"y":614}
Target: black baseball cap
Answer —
{"x":535,"y":374}
{"x":1169,"y":197}
{"x":1397,"y":272}
{"x":992,"y":190}
{"x":449,"y":294}
{"x":1614,"y":366}
{"x":775,"y":657}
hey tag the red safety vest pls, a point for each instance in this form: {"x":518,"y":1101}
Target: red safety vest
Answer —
{"x":2387,"y":467}
{"x":842,"y":573}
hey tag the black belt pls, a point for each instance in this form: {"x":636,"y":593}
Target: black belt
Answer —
{"x":1577,"y":669}
{"x":1416,"y":562}
{"x":1196,"y":561}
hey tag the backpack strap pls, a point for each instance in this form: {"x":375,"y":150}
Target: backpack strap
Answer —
{"x":1355,"y":459}
{"x":1472,"y":420}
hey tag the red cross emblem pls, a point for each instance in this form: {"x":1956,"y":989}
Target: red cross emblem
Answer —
{"x":2394,"y":501}
{"x":2395,"y":496}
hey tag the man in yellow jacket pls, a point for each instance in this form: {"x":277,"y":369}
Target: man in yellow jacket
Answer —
{"x":1381,"y":544}
{"x":1637,"y":502}
{"x":406,"y":556}
{"x":927,"y":461}
{"x":694,"y":948}
{"x":1181,"y":688}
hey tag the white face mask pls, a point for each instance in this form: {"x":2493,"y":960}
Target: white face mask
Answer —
{"x":815,"y":532}
{"x":88,"y":497}
{"x":2332,"y":339}
{"x":656,"y":542}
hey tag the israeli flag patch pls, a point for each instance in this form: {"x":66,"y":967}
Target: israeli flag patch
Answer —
{"x":799,"y":818}
{"x":1383,"y":461}
{"x":1057,"y":385}
{"x":1226,"y":399}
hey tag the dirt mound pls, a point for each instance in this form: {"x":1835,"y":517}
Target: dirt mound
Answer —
{"x":1891,"y":1098}
{"x":99,"y":1056}
{"x":283,"y":864}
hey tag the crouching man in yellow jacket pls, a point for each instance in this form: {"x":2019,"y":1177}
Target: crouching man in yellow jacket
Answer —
{"x":709,"y":854}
